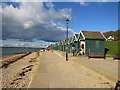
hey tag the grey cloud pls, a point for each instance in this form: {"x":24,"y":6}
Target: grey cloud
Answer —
{"x":29,"y":26}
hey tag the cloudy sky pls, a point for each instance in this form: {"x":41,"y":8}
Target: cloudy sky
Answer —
{"x":39,"y":24}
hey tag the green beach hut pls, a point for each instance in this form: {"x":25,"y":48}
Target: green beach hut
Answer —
{"x":63,"y":45}
{"x":75,"y":41}
{"x":55,"y":46}
{"x":70,"y":44}
{"x":91,"y":41}
{"x":60,"y":45}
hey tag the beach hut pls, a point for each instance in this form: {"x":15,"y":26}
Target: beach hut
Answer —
{"x":70,"y":44}
{"x":49,"y":47}
{"x":91,"y":41}
{"x":59,"y":45}
{"x":75,"y":41}
{"x":63,"y":45}
{"x":55,"y":47}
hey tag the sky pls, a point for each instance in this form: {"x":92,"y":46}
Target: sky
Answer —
{"x":39,"y":24}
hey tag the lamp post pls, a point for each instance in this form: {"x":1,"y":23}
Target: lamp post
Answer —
{"x":67,"y":41}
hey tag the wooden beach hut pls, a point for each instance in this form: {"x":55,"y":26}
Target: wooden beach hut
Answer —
{"x":60,"y":45}
{"x":55,"y":47}
{"x":63,"y":45}
{"x":91,"y":42}
{"x":70,"y":44}
{"x":75,"y":41}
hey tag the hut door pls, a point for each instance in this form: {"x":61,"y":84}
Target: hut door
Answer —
{"x":82,"y":45}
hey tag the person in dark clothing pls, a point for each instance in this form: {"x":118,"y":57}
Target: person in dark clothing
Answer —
{"x":73,"y":50}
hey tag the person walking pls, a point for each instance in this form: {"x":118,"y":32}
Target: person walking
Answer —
{"x":73,"y":50}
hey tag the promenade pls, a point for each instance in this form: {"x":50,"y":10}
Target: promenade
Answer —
{"x":106,"y":67}
{"x":55,"y":72}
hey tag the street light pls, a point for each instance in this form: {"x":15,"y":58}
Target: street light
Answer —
{"x":67,"y":41}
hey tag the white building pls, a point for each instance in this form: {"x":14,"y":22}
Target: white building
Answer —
{"x":110,"y":38}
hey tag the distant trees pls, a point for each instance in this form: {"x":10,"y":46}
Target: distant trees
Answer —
{"x":115,"y":34}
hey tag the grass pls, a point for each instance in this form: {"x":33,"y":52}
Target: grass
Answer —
{"x":113,"y":46}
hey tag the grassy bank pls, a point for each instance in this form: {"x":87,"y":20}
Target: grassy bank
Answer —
{"x":113,"y":46}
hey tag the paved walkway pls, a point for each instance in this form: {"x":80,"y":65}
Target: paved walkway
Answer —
{"x":107,"y":67}
{"x":55,"y":72}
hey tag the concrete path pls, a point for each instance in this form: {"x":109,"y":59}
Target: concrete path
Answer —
{"x":107,"y":67}
{"x":55,"y":72}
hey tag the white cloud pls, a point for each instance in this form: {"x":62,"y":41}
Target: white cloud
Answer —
{"x":17,"y":43}
{"x":21,"y":45}
{"x":49,"y":5}
{"x":5,"y":45}
{"x":82,"y":3}
{"x":102,"y":0}
{"x":33,"y":21}
{"x":59,"y":0}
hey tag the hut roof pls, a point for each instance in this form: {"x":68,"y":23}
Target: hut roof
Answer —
{"x":77,"y":35}
{"x":93,"y":35}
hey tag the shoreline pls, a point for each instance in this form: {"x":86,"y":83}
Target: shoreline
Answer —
{"x":14,"y":54}
{"x":8,"y":51}
{"x":7,"y":61}
{"x":11,"y":55}
{"x":6,"y":56}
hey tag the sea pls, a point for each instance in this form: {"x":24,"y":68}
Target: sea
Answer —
{"x":6,"y":51}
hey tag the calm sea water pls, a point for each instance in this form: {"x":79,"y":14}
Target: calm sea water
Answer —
{"x":6,"y":51}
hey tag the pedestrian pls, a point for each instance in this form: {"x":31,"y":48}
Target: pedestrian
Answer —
{"x":73,"y":50}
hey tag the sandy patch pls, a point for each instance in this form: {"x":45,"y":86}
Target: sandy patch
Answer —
{"x":20,"y":73}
